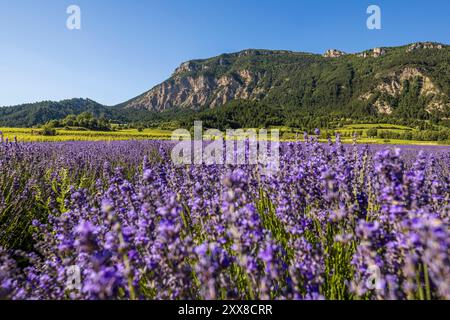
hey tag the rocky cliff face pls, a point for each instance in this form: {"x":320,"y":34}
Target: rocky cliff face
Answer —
{"x":212,"y":82}
{"x":392,"y":86}
{"x":194,"y":91}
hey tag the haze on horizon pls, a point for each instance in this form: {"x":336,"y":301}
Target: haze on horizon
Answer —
{"x":125,"y":48}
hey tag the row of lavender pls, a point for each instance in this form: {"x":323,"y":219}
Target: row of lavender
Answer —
{"x":335,"y":222}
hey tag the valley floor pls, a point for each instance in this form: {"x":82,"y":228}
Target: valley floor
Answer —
{"x":286,"y":134}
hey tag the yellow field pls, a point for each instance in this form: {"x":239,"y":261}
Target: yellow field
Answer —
{"x":27,"y":135}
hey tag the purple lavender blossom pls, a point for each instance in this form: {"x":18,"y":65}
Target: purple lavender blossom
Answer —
{"x":335,"y":222}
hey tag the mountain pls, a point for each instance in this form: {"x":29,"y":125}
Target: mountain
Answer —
{"x":264,"y":87}
{"x":412,"y":80}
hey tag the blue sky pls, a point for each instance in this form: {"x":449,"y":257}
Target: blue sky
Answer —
{"x":126,"y":47}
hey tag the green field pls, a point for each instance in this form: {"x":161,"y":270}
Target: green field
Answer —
{"x":286,"y":134}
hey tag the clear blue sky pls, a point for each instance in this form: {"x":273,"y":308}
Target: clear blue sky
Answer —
{"x":126,"y":47}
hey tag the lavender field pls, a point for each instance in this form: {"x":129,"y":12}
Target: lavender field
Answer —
{"x":335,"y":222}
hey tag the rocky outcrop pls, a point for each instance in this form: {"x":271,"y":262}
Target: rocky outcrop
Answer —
{"x":333,"y":53}
{"x":374,"y":53}
{"x":383,"y":107}
{"x":378,"y":52}
{"x":423,"y":45}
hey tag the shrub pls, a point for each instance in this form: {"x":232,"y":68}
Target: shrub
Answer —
{"x":48,"y":130}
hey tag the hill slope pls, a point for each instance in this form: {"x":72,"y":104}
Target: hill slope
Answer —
{"x":32,"y":114}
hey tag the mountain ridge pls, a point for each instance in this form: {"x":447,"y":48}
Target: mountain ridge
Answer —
{"x":218,"y":80}
{"x":409,"y":81}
